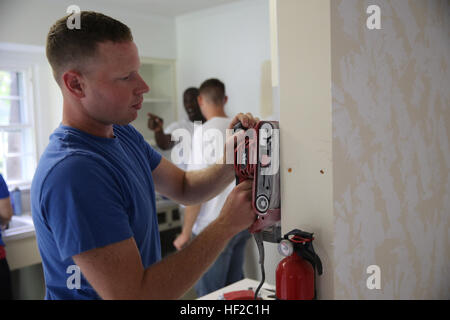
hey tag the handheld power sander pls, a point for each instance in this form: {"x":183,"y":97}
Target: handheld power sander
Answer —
{"x":256,"y":158}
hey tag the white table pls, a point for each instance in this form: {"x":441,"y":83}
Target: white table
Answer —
{"x":244,"y":284}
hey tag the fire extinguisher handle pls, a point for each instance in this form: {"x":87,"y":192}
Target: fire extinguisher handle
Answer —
{"x":307,"y":252}
{"x":299,"y":233}
{"x":317,"y":261}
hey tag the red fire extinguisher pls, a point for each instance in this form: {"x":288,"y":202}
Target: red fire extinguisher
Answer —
{"x":295,"y":274}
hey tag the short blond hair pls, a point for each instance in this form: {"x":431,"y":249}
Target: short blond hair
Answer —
{"x":70,"y":47}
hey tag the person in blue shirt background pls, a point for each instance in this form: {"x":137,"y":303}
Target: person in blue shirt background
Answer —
{"x":6,"y":213}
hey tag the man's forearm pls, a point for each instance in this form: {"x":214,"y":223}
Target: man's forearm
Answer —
{"x":6,"y":211}
{"x":176,"y":274}
{"x":116,"y":270}
{"x":203,"y":185}
{"x":190,"y":216}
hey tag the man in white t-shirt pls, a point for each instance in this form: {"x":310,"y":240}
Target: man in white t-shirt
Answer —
{"x":207,"y":146}
{"x":163,"y":137}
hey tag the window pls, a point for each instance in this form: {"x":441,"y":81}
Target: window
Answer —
{"x":17,"y":150}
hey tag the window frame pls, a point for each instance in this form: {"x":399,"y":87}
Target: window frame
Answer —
{"x":29,"y":75}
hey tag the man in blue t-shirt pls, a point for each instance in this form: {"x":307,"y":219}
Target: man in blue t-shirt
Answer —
{"x":93,"y":193}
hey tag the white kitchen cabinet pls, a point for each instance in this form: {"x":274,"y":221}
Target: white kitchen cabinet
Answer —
{"x":159,"y":74}
{"x":22,"y":252}
{"x":20,"y":240}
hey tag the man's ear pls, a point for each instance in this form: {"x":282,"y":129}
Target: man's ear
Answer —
{"x":225,"y":100}
{"x":74,"y":83}
{"x":200,"y":100}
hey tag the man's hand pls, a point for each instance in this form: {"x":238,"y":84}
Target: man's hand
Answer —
{"x":190,"y":216}
{"x":247,"y":120}
{"x":237,"y":212}
{"x":181,"y":241}
{"x":154,"y":123}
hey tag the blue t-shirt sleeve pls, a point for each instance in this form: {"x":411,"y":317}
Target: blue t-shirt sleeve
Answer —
{"x":4,"y":193}
{"x":154,"y":156}
{"x":83,"y":206}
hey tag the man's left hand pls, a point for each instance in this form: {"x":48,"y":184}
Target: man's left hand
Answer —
{"x":247,"y":120}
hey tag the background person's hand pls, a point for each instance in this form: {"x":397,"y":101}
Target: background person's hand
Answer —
{"x":154,"y":123}
{"x":181,"y":241}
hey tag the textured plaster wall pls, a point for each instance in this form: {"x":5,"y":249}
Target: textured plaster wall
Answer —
{"x":391,"y":156}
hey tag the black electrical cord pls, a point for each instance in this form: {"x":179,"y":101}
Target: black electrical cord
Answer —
{"x":263,"y":278}
{"x":259,"y":243}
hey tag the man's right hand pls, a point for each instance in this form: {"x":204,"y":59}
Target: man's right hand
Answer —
{"x":237,"y":213}
{"x":154,"y":123}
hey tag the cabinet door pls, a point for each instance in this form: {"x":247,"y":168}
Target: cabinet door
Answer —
{"x":161,"y":99}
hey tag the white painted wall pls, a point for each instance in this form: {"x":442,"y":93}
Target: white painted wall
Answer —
{"x":230,"y":42}
{"x":305,"y":127}
{"x":28,"y":21}
{"x":391,"y":154}
{"x":370,"y":109}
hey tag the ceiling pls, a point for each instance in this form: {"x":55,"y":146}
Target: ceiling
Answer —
{"x":169,"y":8}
